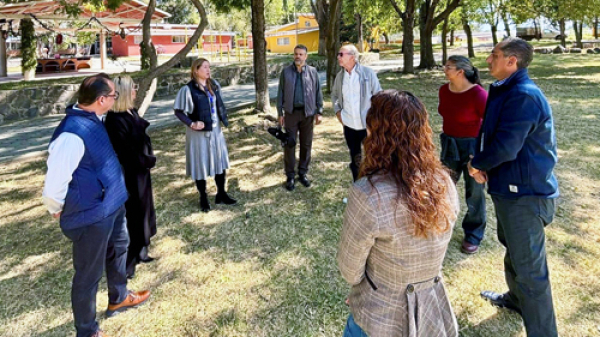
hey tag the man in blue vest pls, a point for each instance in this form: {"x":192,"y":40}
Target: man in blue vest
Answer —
{"x":85,"y":190}
{"x":299,"y":107}
{"x":516,"y":156}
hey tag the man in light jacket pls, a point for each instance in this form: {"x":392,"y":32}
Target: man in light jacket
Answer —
{"x":351,"y":98}
{"x":299,"y":106}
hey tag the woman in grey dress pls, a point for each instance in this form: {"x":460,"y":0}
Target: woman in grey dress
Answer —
{"x":199,"y":106}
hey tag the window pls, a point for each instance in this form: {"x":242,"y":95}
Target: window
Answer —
{"x":179,"y":39}
{"x":137,"y":39}
{"x":307,"y":23}
{"x":283,"y":41}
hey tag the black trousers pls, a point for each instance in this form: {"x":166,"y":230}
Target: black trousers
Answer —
{"x":295,"y":123}
{"x":521,"y":225}
{"x":354,"y":140}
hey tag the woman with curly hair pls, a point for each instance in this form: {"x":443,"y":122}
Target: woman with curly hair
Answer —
{"x":397,"y":226}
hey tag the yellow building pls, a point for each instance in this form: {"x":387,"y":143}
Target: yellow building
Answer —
{"x":304,"y":31}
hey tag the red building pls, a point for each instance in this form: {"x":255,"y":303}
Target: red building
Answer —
{"x":170,"y":39}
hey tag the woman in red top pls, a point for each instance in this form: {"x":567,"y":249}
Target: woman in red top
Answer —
{"x":462,"y":106}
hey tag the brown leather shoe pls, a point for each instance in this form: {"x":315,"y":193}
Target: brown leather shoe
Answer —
{"x":132,"y":300}
{"x":468,"y":248}
{"x":99,"y":333}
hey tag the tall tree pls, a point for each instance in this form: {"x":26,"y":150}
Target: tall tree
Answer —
{"x":257,"y":8}
{"x":148,"y":82}
{"x":261,"y":79}
{"x":321,"y":10}
{"x":467,"y":28}
{"x":333,"y":40}
{"x":430,"y":17}
{"x":408,"y":24}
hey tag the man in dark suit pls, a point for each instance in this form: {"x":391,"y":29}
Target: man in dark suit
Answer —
{"x":516,"y":157}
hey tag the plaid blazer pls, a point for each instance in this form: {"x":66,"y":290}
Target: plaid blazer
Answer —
{"x":395,"y":277}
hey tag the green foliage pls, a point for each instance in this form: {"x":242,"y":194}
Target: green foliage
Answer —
{"x":182,"y":11}
{"x":28,"y":45}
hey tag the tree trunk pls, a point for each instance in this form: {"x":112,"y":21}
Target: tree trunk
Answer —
{"x":444,"y":43}
{"x":563,"y":38}
{"x":451,"y":37}
{"x":386,"y":37}
{"x":469,"y":34}
{"x":359,"y":29}
{"x":408,"y":38}
{"x":506,"y":23}
{"x":148,"y":56}
{"x":596,"y":28}
{"x":333,"y":40}
{"x":575,"y":30}
{"x":321,"y":10}
{"x":147,"y":83}
{"x":494,"y":34}
{"x":261,"y":81}
{"x":428,"y":10}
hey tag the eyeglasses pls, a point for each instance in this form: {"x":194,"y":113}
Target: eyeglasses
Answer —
{"x":135,"y":86}
{"x":342,"y":54}
{"x":115,"y":96}
{"x":446,"y":67}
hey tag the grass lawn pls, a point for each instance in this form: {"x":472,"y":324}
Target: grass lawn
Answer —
{"x":267,"y":267}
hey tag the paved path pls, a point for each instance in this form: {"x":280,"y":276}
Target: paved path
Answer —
{"x":29,"y":138}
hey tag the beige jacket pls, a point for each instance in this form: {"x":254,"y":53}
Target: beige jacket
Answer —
{"x":395,"y":277}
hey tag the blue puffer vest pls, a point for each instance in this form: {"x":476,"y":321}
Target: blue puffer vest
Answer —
{"x":98,"y":188}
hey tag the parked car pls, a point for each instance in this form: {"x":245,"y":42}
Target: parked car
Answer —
{"x":529,"y":33}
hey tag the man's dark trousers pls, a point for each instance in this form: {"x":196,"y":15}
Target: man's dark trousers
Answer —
{"x":521,"y":225}
{"x":294,"y":123}
{"x":102,"y":244}
{"x":354,"y":140}
{"x":456,"y":159}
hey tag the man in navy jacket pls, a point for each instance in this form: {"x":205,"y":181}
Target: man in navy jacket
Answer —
{"x":516,"y":156}
{"x":85,"y":190}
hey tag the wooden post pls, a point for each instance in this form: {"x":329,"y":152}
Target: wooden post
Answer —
{"x":3,"y":58}
{"x":102,"y":49}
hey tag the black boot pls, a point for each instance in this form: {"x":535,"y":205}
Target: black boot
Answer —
{"x":204,"y":204}
{"x":222,"y":196}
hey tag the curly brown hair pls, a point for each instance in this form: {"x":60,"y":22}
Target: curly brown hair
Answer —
{"x":399,"y":146}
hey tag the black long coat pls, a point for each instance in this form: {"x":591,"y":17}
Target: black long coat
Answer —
{"x":127,"y":132}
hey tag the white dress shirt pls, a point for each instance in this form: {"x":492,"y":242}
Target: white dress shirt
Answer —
{"x":351,"y":98}
{"x":64,"y":155}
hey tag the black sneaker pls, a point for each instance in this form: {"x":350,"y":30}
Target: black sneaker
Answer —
{"x":500,"y":300}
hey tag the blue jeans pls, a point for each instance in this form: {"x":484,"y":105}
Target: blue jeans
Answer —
{"x":352,"y":329}
{"x":521,"y":224}
{"x":455,"y":156}
{"x":96,"y":247}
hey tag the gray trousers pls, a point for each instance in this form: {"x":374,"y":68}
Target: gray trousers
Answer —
{"x":295,"y":123}
{"x":521,"y":225}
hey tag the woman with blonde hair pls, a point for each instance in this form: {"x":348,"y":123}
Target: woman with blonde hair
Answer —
{"x":200,"y":107}
{"x":127,"y":132}
{"x":397,"y":226}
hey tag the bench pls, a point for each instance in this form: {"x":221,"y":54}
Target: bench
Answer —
{"x":62,"y":64}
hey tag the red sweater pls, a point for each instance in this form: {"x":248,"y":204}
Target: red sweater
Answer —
{"x":462,"y":112}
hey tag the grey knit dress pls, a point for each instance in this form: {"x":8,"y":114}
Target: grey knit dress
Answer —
{"x":205,"y":151}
